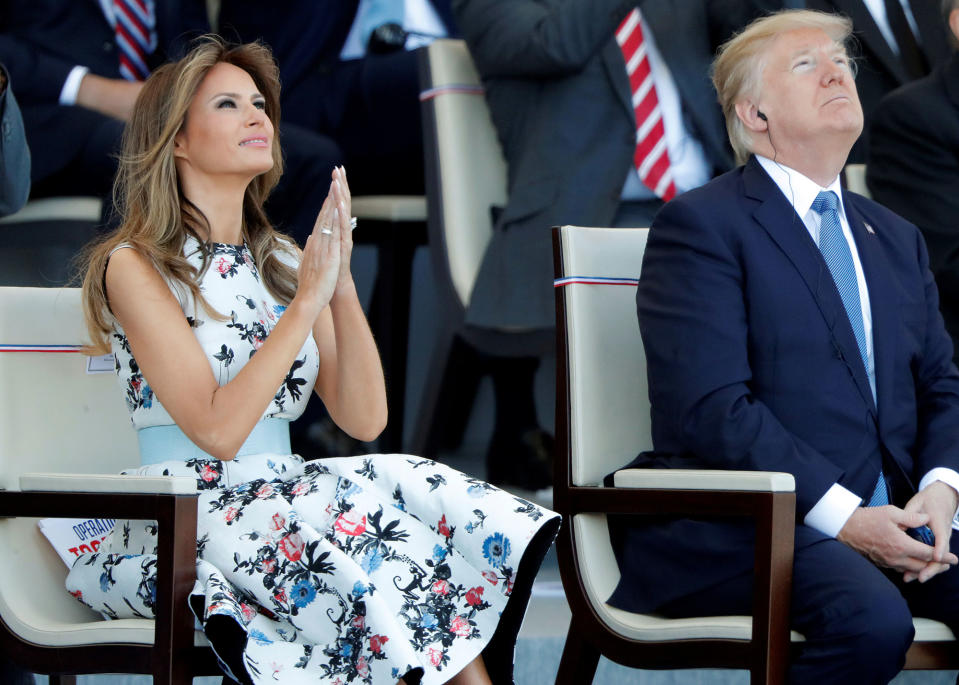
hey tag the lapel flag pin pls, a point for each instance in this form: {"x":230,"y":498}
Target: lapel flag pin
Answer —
{"x":869,"y":229}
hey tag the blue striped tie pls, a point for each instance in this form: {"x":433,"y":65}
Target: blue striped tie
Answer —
{"x":835,"y":250}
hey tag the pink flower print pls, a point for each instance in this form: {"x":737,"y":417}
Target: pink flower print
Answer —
{"x":460,"y":626}
{"x":278,"y":521}
{"x":436,"y":657}
{"x":292,"y":546}
{"x":377,"y":642}
{"x":441,"y":587}
{"x":280,"y":596}
{"x":268,"y":565}
{"x":443,"y":527}
{"x":491,"y":577}
{"x":77,"y":594}
{"x":358,"y":622}
{"x":223,"y":266}
{"x":509,"y":587}
{"x":361,"y":668}
{"x":231,"y":514}
{"x":265,"y":491}
{"x":208,"y":473}
{"x":300,"y":489}
{"x":248,"y":611}
{"x":474,"y":596}
{"x":350,"y":523}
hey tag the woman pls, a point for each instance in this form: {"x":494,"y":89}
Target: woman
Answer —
{"x":371,"y":569}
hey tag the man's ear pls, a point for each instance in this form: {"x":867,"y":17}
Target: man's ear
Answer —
{"x":748,"y":113}
{"x":954,"y":23}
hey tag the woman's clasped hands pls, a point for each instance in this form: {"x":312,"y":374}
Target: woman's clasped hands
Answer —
{"x":325,"y":266}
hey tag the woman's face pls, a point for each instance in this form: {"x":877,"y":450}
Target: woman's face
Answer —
{"x":227,"y":131}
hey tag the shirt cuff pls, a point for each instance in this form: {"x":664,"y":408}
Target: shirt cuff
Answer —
{"x":947,"y":476}
{"x":833,"y":509}
{"x":68,"y":94}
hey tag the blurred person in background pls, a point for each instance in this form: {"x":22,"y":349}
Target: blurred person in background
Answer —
{"x":348,"y":72}
{"x":605,"y":111}
{"x":79,"y":67}
{"x":913,"y":166}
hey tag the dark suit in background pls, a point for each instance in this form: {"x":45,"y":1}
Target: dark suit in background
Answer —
{"x":880,"y":69}
{"x":369,"y":106}
{"x":559,"y":96}
{"x":14,"y":153}
{"x":74,"y":148}
{"x":913,"y":168}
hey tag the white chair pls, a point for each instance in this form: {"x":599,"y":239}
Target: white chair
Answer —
{"x":856,"y":179}
{"x":55,"y":418}
{"x":602,"y":422}
{"x":465,"y":181}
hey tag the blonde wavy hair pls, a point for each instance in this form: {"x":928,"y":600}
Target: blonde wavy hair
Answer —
{"x":738,"y":68}
{"x":156,"y":218}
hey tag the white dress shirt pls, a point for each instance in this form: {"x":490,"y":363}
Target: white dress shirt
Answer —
{"x":418,"y":15}
{"x":834,"y":508}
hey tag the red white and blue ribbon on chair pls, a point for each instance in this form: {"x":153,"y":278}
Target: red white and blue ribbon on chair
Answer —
{"x":451,"y":89}
{"x":42,"y":348}
{"x":593,"y":280}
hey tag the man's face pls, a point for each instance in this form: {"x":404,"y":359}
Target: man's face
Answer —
{"x":808,"y":92}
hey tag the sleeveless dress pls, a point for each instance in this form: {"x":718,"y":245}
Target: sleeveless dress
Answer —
{"x":342,"y":570}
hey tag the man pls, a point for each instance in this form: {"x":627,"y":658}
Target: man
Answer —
{"x":913,"y":166}
{"x":79,"y":66}
{"x":580,"y":150}
{"x":792,"y":326}
{"x":900,"y":40}
{"x":14,"y":153}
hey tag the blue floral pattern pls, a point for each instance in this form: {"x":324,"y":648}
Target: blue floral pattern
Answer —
{"x":346,"y":570}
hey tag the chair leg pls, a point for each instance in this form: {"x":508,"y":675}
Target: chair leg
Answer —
{"x":579,"y":661}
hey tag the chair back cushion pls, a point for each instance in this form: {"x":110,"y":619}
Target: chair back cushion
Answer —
{"x":470,"y":169}
{"x":54,"y":417}
{"x":608,"y":398}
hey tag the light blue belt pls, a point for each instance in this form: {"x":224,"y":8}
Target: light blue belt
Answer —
{"x":165,"y":443}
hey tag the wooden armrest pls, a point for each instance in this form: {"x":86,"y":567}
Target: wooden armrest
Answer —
{"x":176,"y":517}
{"x":107,"y":483}
{"x":705,"y":479}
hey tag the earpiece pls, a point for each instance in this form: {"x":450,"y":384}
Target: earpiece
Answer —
{"x":762,"y":116}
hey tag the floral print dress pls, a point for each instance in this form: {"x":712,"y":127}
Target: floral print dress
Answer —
{"x":342,"y":570}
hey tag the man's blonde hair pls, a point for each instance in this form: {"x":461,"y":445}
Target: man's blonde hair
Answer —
{"x":738,"y":67}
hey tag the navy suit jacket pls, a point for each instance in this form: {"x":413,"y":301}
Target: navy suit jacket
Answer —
{"x":753,"y":365}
